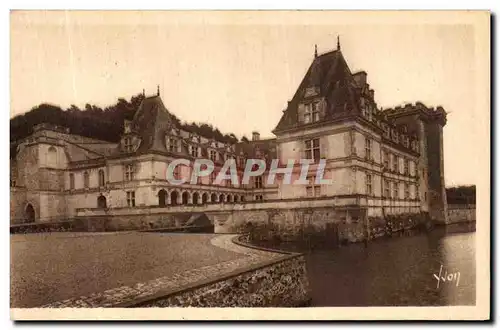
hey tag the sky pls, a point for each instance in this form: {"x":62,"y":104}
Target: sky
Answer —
{"x":238,"y":70}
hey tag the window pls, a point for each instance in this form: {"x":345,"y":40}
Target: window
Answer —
{"x":85,"y":179}
{"x":128,"y":144}
{"x":258,"y":182}
{"x":407,"y":191}
{"x":368,"y":183}
{"x":129,"y":172}
{"x":259,"y":197}
{"x":130,"y":198}
{"x":173,"y":144}
{"x":417,"y":192}
{"x":395,"y":163}
{"x":311,"y":112}
{"x":101,"y":178}
{"x":406,"y":166}
{"x":312,"y":190}
{"x":368,"y":149}
{"x":395,"y":187}
{"x":71,"y":181}
{"x":213,"y":155}
{"x":194,"y":151}
{"x":312,"y":149}
{"x":387,"y":192}
{"x":386,"y":160}
{"x":12,"y":182}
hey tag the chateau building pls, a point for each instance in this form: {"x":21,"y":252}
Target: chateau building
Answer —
{"x":379,"y":161}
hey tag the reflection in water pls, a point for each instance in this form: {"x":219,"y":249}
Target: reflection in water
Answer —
{"x":395,"y":271}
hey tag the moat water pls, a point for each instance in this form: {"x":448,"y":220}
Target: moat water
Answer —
{"x":433,"y":268}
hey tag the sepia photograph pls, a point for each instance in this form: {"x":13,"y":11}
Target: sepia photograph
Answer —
{"x":249,"y":165}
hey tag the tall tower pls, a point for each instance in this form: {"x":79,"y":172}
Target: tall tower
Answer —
{"x":433,"y":125}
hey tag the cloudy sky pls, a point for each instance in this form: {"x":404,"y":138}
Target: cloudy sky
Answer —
{"x":237,"y":71}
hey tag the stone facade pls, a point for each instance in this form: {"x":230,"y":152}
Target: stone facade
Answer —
{"x":380,"y":163}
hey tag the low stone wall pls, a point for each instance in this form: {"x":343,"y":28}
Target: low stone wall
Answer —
{"x":280,"y":284}
{"x":461,"y":213}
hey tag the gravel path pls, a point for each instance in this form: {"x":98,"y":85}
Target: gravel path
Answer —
{"x":47,"y":268}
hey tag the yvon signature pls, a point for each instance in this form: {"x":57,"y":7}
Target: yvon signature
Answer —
{"x":446,"y":277}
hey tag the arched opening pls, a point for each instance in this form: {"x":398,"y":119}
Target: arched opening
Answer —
{"x":185,"y":197}
{"x":213,"y":198}
{"x":101,"y":202}
{"x":173,"y":197}
{"x":196,"y":196}
{"x":229,"y":199}
{"x":242,"y":198}
{"x":235,"y":198}
{"x":162,"y":194}
{"x":204,"y":198}
{"x":30,"y":214}
{"x":52,"y":157}
{"x":221,"y":198}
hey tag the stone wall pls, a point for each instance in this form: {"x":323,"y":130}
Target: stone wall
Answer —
{"x":280,"y":284}
{"x":461,"y":213}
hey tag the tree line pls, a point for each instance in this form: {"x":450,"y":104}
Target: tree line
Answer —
{"x":99,"y":123}
{"x":461,"y":195}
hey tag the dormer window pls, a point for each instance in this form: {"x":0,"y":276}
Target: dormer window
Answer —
{"x":213,"y":155}
{"x":311,"y":114}
{"x":129,"y":147}
{"x":173,"y":144}
{"x":194,"y":151}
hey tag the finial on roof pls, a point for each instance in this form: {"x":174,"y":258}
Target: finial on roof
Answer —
{"x":315,"y":50}
{"x":338,"y":42}
{"x":158,"y":90}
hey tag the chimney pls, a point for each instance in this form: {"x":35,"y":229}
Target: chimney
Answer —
{"x":127,"y":126}
{"x":255,"y":136}
{"x":360,"y":78}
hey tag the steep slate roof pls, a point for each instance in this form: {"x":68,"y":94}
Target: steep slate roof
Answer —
{"x":151,"y":122}
{"x":330,"y":73}
{"x":266,"y":147}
